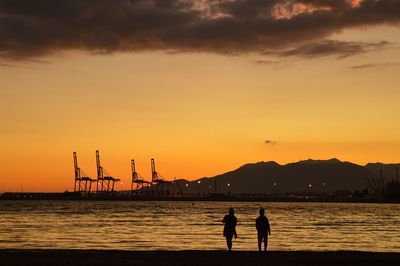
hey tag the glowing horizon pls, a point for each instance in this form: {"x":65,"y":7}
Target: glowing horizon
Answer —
{"x":202,"y":89}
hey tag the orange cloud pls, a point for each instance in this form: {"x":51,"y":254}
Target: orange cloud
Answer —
{"x":355,"y":3}
{"x":289,"y":10}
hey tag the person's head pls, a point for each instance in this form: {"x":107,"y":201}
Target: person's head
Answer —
{"x":231,"y":211}
{"x":262,"y":211}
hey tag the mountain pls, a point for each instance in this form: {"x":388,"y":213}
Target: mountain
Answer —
{"x":310,"y":176}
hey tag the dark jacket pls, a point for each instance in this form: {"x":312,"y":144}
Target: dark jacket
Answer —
{"x":230,"y":222}
{"x":262,"y":225}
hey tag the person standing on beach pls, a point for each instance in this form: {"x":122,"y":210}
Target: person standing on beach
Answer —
{"x":263,"y":229}
{"x":230,"y":222}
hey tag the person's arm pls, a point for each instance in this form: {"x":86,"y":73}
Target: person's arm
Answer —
{"x":224,"y":220}
{"x":235,"y":234}
{"x":268,"y":227}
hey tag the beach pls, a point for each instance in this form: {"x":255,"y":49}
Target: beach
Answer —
{"x":114,"y":257}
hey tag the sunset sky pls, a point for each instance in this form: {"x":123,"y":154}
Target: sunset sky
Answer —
{"x":201,"y":86}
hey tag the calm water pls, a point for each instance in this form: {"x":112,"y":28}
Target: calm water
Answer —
{"x":186,"y":225}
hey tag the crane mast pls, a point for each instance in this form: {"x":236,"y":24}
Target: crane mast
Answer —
{"x":77,"y":173}
{"x":158,"y":180}
{"x":107,"y":182}
{"x":154,"y":176}
{"x":99,"y":173}
{"x":138,"y":183}
{"x":83,"y":183}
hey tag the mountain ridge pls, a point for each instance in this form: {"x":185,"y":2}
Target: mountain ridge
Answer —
{"x":306,"y":176}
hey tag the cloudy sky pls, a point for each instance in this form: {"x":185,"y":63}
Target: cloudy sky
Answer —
{"x":202,"y":86}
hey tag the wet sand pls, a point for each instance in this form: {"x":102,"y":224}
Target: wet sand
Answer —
{"x":114,"y":257}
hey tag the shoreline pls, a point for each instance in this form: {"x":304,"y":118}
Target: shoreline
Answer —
{"x":193,"y":257}
{"x":76,"y":196}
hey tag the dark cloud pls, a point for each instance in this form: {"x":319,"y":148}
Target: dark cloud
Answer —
{"x":270,"y":142}
{"x":375,"y":65}
{"x":6,"y":65}
{"x":266,"y":62}
{"x":340,"y":49}
{"x":283,"y":27}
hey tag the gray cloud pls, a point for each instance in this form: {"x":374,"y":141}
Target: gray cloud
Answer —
{"x":375,"y":65}
{"x":279,"y":27}
{"x":339,"y":49}
{"x":6,"y":65}
{"x":266,"y":62}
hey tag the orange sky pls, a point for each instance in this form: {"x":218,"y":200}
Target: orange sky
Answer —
{"x":197,"y":114}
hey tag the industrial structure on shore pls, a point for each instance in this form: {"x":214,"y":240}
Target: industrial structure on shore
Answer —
{"x":103,"y":186}
{"x":393,"y":187}
{"x":105,"y":182}
{"x":379,"y":187}
{"x":251,"y":182}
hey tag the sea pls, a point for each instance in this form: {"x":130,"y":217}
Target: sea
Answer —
{"x":163,"y":225}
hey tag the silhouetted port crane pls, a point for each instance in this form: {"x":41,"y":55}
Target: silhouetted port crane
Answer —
{"x":141,"y":184}
{"x":376,"y":185}
{"x":393,"y":187}
{"x":83,"y":183}
{"x":107,"y":182}
{"x":158,"y":180}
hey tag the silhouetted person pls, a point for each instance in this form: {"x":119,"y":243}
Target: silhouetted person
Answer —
{"x":230,"y":222}
{"x":263,"y":229}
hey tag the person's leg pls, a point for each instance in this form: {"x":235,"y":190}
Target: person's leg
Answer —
{"x":265,"y":242}
{"x":229,"y":242}
{"x":259,"y":238}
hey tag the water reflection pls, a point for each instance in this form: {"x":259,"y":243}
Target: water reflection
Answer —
{"x":183,"y":225}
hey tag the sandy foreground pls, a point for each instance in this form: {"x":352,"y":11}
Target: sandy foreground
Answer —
{"x":114,"y":257}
